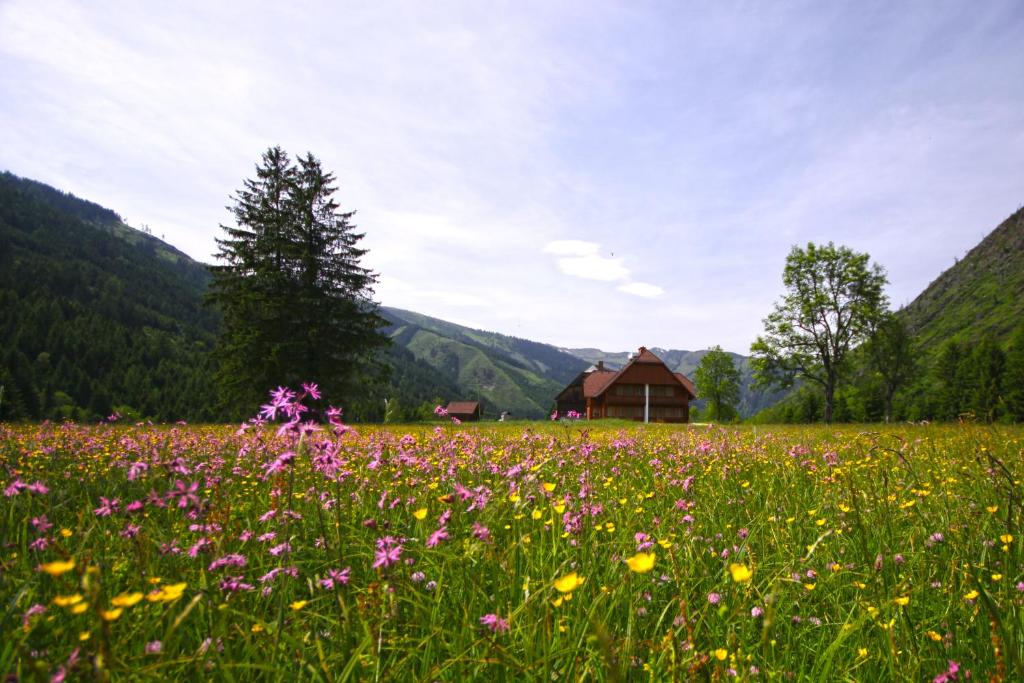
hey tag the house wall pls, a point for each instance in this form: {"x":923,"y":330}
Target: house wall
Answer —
{"x":668,"y":400}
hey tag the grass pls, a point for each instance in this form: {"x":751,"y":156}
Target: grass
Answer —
{"x":874,"y":555}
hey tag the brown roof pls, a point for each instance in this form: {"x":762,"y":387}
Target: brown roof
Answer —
{"x":596,"y":381}
{"x":686,"y":383}
{"x":462,"y":407}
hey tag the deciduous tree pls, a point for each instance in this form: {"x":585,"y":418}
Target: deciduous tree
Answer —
{"x":718,"y":383}
{"x":834,"y":297}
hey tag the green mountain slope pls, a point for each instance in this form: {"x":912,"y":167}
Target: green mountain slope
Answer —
{"x":982,"y":294}
{"x":503,"y":372}
{"x":751,"y":400}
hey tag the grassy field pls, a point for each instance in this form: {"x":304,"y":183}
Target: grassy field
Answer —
{"x":553,"y":552}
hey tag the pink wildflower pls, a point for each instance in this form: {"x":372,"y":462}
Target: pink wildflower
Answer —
{"x":495,"y":623}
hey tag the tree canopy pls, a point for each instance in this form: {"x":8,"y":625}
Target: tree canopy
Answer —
{"x":718,"y":383}
{"x":296,"y":303}
{"x":834,"y":296}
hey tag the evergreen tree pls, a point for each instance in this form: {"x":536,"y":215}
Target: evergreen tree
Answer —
{"x":1013,"y":377}
{"x":987,"y":365}
{"x":948,"y":381}
{"x":295,"y":301}
{"x":891,"y":356}
{"x":718,"y":383}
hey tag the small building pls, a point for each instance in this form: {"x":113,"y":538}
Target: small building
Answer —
{"x":645,"y":390}
{"x":466,"y":411}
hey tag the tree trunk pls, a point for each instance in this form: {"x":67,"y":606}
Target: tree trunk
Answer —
{"x":830,"y":395}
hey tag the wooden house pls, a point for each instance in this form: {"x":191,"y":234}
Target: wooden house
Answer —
{"x":645,"y":390}
{"x":467,"y":411}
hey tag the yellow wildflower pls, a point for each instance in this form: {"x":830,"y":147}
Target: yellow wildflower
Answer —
{"x":549,"y":487}
{"x":58,"y":567}
{"x":67,"y":600}
{"x":126,"y":599}
{"x":112,"y":614}
{"x":741,"y":573}
{"x":298,"y":604}
{"x":641,"y":563}
{"x":420,"y":514}
{"x":902,"y":600}
{"x":934,"y":636}
{"x":973,"y":595}
{"x":569,"y":582}
{"x":721,"y":653}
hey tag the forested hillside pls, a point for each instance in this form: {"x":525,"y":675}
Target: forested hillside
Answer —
{"x":982,"y":294}
{"x":966,"y":346}
{"x":96,"y":316}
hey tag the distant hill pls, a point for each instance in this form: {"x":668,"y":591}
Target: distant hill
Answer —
{"x":503,"y":372}
{"x":751,"y":400}
{"x":983,"y":293}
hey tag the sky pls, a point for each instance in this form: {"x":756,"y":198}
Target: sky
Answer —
{"x":586,"y":174}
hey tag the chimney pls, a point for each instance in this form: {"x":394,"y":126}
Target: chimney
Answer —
{"x":600,"y":365}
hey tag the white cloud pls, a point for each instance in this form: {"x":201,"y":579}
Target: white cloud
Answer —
{"x":594,"y":267}
{"x":643,"y":289}
{"x":571,"y":248}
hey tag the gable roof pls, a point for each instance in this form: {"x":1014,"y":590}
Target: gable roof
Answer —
{"x":596,"y":383}
{"x":462,"y":407}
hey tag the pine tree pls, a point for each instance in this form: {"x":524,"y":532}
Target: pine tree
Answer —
{"x":891,"y":355}
{"x":987,"y":365}
{"x":948,"y":381}
{"x":1013,"y":377}
{"x":295,"y":300}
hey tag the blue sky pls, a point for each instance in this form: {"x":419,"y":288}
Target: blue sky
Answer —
{"x":585,"y":174}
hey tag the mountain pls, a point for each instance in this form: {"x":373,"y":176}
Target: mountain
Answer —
{"x":505,"y":373}
{"x":751,"y":400}
{"x":982,"y":294}
{"x":96,"y":316}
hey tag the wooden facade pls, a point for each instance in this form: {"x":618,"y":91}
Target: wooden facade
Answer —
{"x":644,"y":390}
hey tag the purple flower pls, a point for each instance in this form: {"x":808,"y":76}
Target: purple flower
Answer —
{"x":281,"y":549}
{"x":756,"y":612}
{"x":233,"y":584}
{"x":389,"y":550}
{"x":495,"y":623}
{"x":714,"y":598}
{"x":481,"y":532}
{"x":154,"y":647}
{"x":335,"y":577}
{"x":31,"y":612}
{"x":233,"y":560}
{"x":436,"y":537}
{"x":108,"y":507}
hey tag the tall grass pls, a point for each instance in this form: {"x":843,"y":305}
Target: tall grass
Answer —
{"x":883,"y":555}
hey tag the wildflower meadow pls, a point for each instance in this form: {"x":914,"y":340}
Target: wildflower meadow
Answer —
{"x":300,"y":548}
